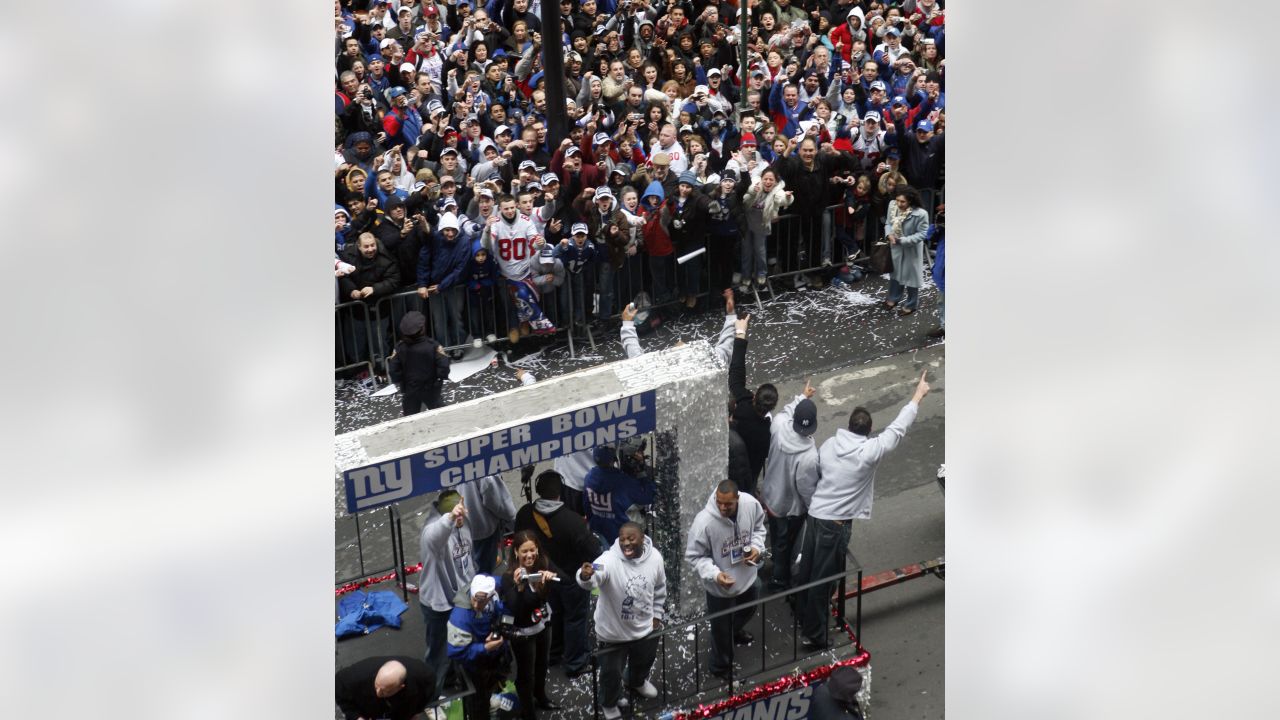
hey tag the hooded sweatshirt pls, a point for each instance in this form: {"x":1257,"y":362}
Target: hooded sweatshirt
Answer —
{"x":467,"y":630}
{"x":489,"y":504}
{"x":847,"y":464}
{"x":715,"y":541}
{"x":791,"y":468}
{"x":632,"y":592}
{"x":446,"y":560}
{"x":657,"y":238}
{"x":610,"y":493}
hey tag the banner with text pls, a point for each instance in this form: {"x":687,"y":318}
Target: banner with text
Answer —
{"x":498,"y":451}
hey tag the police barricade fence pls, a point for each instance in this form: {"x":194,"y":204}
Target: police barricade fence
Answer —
{"x":675,"y":667}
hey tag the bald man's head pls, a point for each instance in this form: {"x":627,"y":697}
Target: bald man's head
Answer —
{"x":390,"y":679}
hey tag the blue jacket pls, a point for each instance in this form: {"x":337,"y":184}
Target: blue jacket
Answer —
{"x":479,"y":275}
{"x":449,"y":260}
{"x":468,"y":631}
{"x":574,"y":258}
{"x":609,"y":493}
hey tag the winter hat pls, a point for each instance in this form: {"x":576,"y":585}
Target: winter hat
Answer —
{"x":688,"y":177}
{"x":338,"y":209}
{"x":413,"y":324}
{"x":483,"y":584}
{"x":447,"y":221}
{"x":805,"y":418}
{"x":844,"y":684}
{"x":730,"y":175}
{"x":393,"y":202}
{"x":748,"y":139}
{"x":604,"y":455}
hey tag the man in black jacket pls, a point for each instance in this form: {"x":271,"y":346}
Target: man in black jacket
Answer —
{"x":569,"y":543}
{"x":750,"y":417}
{"x":837,"y":698}
{"x":376,"y":276}
{"x":398,"y":688}
{"x":419,"y":366}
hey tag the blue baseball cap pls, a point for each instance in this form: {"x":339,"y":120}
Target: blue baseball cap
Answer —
{"x":924,"y":126}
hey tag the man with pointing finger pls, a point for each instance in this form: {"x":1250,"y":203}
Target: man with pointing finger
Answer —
{"x":725,"y":546}
{"x":847,"y":474}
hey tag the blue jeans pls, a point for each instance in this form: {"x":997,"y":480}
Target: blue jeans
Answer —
{"x":783,"y":533}
{"x":660,"y":267}
{"x":724,"y":628}
{"x":437,"y":623}
{"x":895,"y":294}
{"x":446,"y":316}
{"x":752,"y":255}
{"x":822,"y":553}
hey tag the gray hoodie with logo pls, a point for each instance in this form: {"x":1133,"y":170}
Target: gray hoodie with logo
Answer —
{"x":446,"y":560}
{"x":715,"y":540}
{"x":632,"y":592}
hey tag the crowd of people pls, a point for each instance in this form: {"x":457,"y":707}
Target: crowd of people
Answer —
{"x":448,"y":186}
{"x":784,"y":509}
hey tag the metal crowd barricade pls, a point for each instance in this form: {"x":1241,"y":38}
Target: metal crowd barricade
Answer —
{"x":666,"y":670}
{"x":353,"y":338}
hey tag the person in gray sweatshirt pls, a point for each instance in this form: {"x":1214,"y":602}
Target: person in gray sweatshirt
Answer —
{"x":447,"y":566}
{"x":726,"y":545}
{"x":633,"y":590}
{"x":847,"y":466}
{"x":790,"y":477}
{"x":491,"y":511}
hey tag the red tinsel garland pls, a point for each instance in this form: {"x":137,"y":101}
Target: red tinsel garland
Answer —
{"x":374,"y":580}
{"x":781,"y":685}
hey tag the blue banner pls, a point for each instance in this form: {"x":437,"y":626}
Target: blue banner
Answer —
{"x":498,"y":451}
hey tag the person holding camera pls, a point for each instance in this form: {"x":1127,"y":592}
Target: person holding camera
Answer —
{"x":476,"y":643}
{"x":525,"y":587}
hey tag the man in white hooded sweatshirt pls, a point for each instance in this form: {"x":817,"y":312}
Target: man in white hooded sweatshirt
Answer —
{"x":790,"y":477}
{"x":847,"y":464}
{"x":633,"y":589}
{"x":725,"y":546}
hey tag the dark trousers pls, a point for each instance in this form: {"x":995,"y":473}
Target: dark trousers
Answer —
{"x":531,"y":670}
{"x":484,"y":551}
{"x":783,"y":532}
{"x":637,"y":656}
{"x":437,"y":623}
{"x":724,"y":628}
{"x":484,"y":676}
{"x":570,"y":609}
{"x":822,"y":553}
{"x":414,"y":402}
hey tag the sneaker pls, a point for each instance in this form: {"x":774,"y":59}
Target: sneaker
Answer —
{"x":762,"y":282}
{"x":513,"y":336}
{"x":737,"y":278}
{"x":647,"y":690}
{"x":744,"y":288}
{"x":799,"y":282}
{"x":940,"y":332}
{"x":611,"y":713}
{"x":852,"y":256}
{"x":542,"y":327}
{"x":826,"y":262}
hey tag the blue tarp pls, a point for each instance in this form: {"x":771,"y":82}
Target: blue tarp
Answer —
{"x":361,"y":613}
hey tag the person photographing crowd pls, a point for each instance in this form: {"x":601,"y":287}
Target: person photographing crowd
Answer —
{"x":525,"y":588}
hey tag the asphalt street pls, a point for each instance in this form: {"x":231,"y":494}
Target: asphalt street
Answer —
{"x":854,"y":353}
